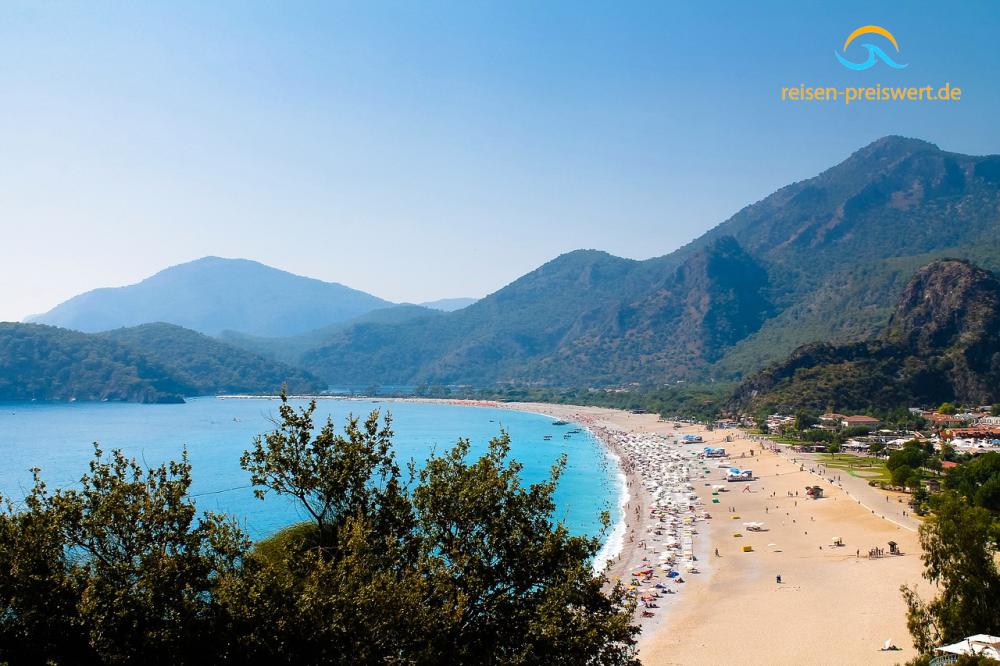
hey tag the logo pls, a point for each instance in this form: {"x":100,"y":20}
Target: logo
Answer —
{"x":874,"y":52}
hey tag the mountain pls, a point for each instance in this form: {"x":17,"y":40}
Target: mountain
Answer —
{"x":583,"y":317}
{"x":821,"y":259}
{"x":211,"y":295}
{"x":290,"y":349}
{"x":449,"y":304}
{"x":840,"y":247}
{"x":206,"y":366}
{"x":942,"y":343}
{"x":48,"y":363}
{"x":151,"y":363}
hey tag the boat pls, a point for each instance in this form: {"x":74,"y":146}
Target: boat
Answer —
{"x":560,"y":423}
{"x":547,"y":437}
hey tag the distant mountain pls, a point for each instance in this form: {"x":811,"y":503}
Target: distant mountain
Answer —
{"x":584,"y":317}
{"x":212,"y":295}
{"x":152,"y":363}
{"x":821,"y":259}
{"x":290,"y":349}
{"x":449,"y":304}
{"x":942,"y":343}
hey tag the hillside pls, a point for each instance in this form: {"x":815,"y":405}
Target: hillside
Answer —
{"x":290,"y":349}
{"x":151,"y":364}
{"x":941,"y":344}
{"x":583,"y":317}
{"x":47,"y":363}
{"x":449,"y":304}
{"x":205,"y":365}
{"x":819,"y":260}
{"x":212,"y":295}
{"x":822,"y":260}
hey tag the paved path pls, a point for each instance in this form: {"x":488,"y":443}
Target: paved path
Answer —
{"x":880,"y":502}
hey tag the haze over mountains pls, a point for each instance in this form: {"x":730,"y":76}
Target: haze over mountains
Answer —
{"x":212,"y":295}
{"x":824,"y":259}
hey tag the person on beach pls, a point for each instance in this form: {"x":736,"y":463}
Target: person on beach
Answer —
{"x":778,"y":579}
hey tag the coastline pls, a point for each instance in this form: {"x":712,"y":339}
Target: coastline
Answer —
{"x":834,"y":605}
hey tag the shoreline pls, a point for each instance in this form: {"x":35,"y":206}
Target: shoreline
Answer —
{"x":834,"y":605}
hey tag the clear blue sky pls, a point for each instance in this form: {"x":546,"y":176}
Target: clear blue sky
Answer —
{"x":424,"y":150}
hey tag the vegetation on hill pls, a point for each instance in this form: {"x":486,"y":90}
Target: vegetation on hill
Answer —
{"x":584,"y":318}
{"x":942,"y":344}
{"x":462,"y":564}
{"x":151,"y":363}
{"x":206,"y":366}
{"x":47,"y":363}
{"x":821,"y":260}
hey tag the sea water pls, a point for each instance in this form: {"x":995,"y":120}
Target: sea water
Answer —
{"x":58,"y":438}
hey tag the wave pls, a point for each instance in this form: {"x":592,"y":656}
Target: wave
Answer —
{"x":616,"y":540}
{"x":874,"y":53}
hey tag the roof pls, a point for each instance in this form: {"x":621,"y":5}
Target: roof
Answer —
{"x":947,"y":464}
{"x":861,"y":419}
{"x":978,"y":432}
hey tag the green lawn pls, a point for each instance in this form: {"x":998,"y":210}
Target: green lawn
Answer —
{"x":863,"y":468}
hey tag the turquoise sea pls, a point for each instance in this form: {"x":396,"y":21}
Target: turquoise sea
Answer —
{"x":58,"y":437}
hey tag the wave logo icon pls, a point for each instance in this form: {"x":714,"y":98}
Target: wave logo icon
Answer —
{"x":874,"y":52}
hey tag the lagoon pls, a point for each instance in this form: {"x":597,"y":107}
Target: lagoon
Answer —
{"x":58,"y":438}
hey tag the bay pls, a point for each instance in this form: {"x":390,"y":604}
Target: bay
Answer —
{"x":58,"y":438}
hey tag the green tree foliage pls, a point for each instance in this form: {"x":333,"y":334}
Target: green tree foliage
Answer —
{"x":959,"y":544}
{"x":150,"y":363}
{"x":995,"y":409}
{"x":978,"y":480}
{"x":947,"y":408}
{"x":804,"y":420}
{"x":458,"y":563}
{"x":120,"y":570}
{"x":912,"y":455}
{"x":902,"y":475}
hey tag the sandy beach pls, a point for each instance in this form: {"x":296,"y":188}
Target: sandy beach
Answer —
{"x":834,"y":605}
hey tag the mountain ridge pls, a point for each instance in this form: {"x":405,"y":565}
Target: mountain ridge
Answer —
{"x":941,"y":344}
{"x":213,"y":294}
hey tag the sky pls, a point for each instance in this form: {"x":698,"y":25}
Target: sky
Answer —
{"x":422,"y":150}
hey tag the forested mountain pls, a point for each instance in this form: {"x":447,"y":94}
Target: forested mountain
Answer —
{"x":583,"y":317}
{"x":212,"y":295}
{"x":47,"y":363}
{"x":941,"y":344}
{"x":151,"y":363}
{"x":205,"y":365}
{"x":823,"y":259}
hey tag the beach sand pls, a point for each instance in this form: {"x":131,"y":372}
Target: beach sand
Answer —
{"x":834,"y":604}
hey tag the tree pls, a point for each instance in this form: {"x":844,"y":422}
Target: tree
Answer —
{"x":947,"y":408}
{"x":959,"y":545}
{"x":978,"y":480}
{"x":995,"y":409}
{"x":463,"y":564}
{"x":804,"y":420}
{"x":460,"y":564}
{"x":833,"y":448}
{"x":901,"y":475}
{"x":129,"y":565}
